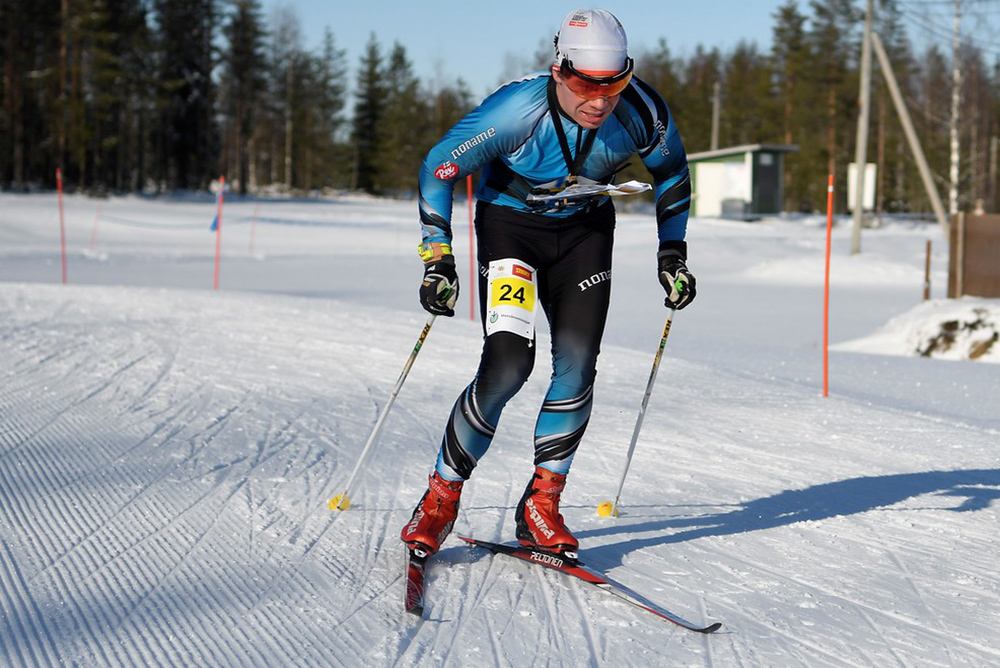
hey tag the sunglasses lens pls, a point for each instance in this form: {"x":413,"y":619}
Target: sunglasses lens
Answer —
{"x":590,"y":90}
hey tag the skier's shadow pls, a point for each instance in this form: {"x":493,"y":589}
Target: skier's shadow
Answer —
{"x":977,"y":487}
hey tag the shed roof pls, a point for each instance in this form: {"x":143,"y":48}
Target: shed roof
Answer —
{"x":745,"y":148}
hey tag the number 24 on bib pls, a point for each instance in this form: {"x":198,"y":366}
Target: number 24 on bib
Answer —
{"x":511,"y":298}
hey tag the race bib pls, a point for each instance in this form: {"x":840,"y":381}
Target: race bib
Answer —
{"x":511,"y":298}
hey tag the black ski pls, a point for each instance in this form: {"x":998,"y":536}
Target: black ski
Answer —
{"x":416,"y":563}
{"x":578,"y":570}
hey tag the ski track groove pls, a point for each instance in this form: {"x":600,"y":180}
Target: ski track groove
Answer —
{"x":379,"y":535}
{"x":587,"y":624}
{"x":865,"y":615}
{"x":931,"y":613}
{"x":70,"y":589}
{"x":143,"y":489}
{"x":862,"y":608}
{"x":548,"y":590}
{"x":706,"y":642}
{"x":226,"y":576}
{"x":69,"y":424}
{"x":75,"y":563}
{"x":88,"y":394}
{"x":490,"y":582}
{"x":23,"y":518}
{"x":463,"y":620}
{"x":69,"y":518}
{"x":792,"y":642}
{"x":37,"y":647}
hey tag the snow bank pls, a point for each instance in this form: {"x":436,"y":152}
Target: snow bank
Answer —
{"x":962,"y":329}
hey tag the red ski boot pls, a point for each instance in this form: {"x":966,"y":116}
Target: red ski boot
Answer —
{"x":434,"y":516}
{"x":539,"y":524}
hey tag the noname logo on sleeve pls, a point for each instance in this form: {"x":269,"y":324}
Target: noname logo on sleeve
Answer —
{"x":483,"y":136}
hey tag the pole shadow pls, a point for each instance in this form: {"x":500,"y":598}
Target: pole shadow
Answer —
{"x":977,"y":488}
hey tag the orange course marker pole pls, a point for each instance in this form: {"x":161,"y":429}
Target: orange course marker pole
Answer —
{"x":826,"y":290}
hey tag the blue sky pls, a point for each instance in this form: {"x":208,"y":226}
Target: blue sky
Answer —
{"x":445,"y":40}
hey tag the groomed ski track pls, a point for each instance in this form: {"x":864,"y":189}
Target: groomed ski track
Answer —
{"x":166,"y":457}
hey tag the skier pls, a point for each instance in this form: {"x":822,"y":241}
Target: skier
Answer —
{"x":578,"y":122}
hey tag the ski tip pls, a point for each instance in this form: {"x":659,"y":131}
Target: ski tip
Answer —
{"x":712,"y":628}
{"x":416,"y":611}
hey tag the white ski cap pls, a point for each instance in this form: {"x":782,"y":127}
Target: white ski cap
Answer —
{"x":594,"y":41}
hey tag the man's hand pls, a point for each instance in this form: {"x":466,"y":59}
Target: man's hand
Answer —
{"x":439,"y":290}
{"x":675,"y":277}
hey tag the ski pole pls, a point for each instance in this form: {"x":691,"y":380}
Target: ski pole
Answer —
{"x":343,"y":501}
{"x":611,"y":508}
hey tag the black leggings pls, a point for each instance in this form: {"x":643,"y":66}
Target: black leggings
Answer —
{"x":572,"y":259}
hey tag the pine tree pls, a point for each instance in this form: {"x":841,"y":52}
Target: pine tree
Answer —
{"x":932,"y":119}
{"x":368,"y":112}
{"x":791,"y":62}
{"x":659,"y":70}
{"x":450,"y":104}
{"x":693,"y":108}
{"x":402,"y":128}
{"x":327,"y":104}
{"x":187,"y":144}
{"x":748,"y":113}
{"x":243,"y":84}
{"x":835,"y":45}
{"x":898,"y":181}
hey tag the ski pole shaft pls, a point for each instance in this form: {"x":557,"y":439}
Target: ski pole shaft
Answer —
{"x":373,"y":437}
{"x":642,"y":409}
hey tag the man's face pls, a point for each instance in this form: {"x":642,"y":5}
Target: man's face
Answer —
{"x":589,"y":114}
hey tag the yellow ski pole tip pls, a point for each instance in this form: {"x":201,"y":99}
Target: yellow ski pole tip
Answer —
{"x":340,"y":502}
{"x":606,"y":509}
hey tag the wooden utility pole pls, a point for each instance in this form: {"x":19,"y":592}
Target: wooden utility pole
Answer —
{"x":956,"y":98}
{"x":911,"y":135}
{"x":716,"y":113}
{"x":861,"y":145}
{"x":288,"y":121}
{"x":992,"y":190}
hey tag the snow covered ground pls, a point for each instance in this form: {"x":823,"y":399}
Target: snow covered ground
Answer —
{"x":167,"y":451}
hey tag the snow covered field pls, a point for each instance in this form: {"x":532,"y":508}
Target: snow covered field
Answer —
{"x":167,"y":452}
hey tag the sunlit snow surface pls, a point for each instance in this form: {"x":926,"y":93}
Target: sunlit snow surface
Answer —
{"x":167,"y":451}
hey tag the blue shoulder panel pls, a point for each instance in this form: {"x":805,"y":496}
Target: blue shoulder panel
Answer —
{"x":511,"y":137}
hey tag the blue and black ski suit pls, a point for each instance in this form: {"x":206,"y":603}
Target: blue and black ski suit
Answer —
{"x":513,"y":138}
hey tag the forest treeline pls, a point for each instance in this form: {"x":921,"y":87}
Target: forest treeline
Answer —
{"x":161,"y":95}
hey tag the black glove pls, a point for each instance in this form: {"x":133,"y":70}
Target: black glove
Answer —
{"x":674,"y":275}
{"x":439,"y":291}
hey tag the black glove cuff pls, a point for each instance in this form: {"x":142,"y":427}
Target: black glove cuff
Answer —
{"x":448,"y":260}
{"x":672,"y":249}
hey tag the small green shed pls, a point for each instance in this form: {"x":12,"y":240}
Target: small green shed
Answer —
{"x":741,"y":182}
